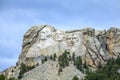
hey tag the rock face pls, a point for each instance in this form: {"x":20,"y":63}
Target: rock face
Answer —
{"x":94,"y":46}
{"x":49,"y":71}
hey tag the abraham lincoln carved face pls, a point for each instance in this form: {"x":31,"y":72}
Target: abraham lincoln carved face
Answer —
{"x":73,"y":39}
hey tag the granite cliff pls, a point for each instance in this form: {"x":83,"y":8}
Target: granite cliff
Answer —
{"x":94,"y":47}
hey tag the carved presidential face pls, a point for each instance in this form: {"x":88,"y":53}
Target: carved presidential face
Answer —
{"x":45,"y":33}
{"x":59,"y":36}
{"x":69,"y":40}
{"x":75,"y":38}
{"x":72,"y":39}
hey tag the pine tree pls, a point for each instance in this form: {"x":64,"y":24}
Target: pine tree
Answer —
{"x":73,"y":57}
{"x":42,"y":61}
{"x":23,"y":69}
{"x":70,"y":58}
{"x":75,"y":78}
{"x":51,"y":57}
{"x":2,"y":77}
{"x":106,"y":72}
{"x":54,"y":57}
{"x":45,"y":59}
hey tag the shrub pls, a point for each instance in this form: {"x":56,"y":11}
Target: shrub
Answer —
{"x":107,"y":72}
{"x":2,"y":77}
{"x":75,"y":78}
{"x":23,"y":69}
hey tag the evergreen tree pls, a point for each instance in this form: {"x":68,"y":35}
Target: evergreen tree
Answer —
{"x":106,"y":72}
{"x":75,"y":78}
{"x":54,"y":57}
{"x":42,"y":61}
{"x":73,"y":56}
{"x":45,"y":59}
{"x":2,"y":77}
{"x":12,"y":78}
{"x":99,"y":66}
{"x":63,"y":59}
{"x":78,"y":63}
{"x":23,"y":69}
{"x":51,"y":57}
{"x":70,"y":58}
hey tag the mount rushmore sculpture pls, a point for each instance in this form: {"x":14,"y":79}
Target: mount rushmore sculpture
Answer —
{"x":94,"y":46}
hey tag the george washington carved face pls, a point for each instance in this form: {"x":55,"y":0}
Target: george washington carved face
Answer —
{"x":45,"y":33}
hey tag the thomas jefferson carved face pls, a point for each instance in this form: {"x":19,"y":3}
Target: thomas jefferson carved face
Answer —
{"x":69,"y":40}
{"x":75,"y":39}
{"x":45,"y":33}
{"x":59,"y":36}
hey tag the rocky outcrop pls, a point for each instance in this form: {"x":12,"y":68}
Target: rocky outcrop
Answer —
{"x":113,"y":42}
{"x":94,"y":46}
{"x":11,"y":72}
{"x":49,"y":71}
{"x":48,"y":41}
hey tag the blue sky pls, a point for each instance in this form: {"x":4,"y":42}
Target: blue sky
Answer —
{"x":17,"y":16}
